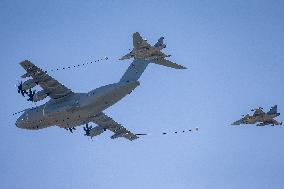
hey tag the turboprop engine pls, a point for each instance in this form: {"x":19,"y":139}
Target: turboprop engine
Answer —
{"x":29,"y":84}
{"x":40,"y":95}
{"x":96,"y":131}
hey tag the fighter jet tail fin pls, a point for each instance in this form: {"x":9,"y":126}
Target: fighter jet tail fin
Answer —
{"x":160,"y":43}
{"x":168,"y":63}
{"x":273,"y":110}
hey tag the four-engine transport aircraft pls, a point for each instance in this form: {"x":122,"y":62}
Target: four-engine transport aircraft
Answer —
{"x":67,"y":109}
{"x":143,"y":50}
{"x":260,"y":117}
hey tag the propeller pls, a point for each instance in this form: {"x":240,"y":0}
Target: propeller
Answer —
{"x":31,"y":95}
{"x":87,"y":129}
{"x":20,"y":89}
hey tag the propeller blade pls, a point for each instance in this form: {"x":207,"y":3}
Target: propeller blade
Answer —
{"x":31,"y":95}
{"x":20,"y":89}
{"x":70,"y":129}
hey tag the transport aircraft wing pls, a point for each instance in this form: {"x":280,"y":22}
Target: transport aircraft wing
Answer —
{"x":51,"y":87}
{"x":105,"y":122}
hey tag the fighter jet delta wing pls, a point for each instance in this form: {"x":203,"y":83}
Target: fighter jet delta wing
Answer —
{"x":167,"y":63}
{"x":139,"y":42}
{"x":105,"y":122}
{"x":51,"y":87}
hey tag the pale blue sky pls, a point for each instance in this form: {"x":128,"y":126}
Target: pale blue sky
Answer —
{"x":234,"y":52}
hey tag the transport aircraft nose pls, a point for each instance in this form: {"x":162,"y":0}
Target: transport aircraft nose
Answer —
{"x":20,"y":122}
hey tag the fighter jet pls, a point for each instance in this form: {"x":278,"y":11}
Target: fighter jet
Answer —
{"x":143,"y":50}
{"x":68,"y":109}
{"x":260,"y":117}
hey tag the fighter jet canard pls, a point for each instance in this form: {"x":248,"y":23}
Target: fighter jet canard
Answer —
{"x":68,"y":109}
{"x":143,"y":50}
{"x":260,"y":117}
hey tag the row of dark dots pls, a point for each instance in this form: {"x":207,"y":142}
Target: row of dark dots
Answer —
{"x":74,"y":66}
{"x":18,"y":112}
{"x":176,"y":132}
{"x":24,"y":110}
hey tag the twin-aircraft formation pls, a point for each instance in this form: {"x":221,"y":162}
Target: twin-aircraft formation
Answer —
{"x":68,"y":109}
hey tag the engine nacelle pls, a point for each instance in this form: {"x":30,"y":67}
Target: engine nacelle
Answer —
{"x":40,"y":95}
{"x":28,"y":84}
{"x":26,"y":75}
{"x":96,"y":131}
{"x":121,"y":133}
